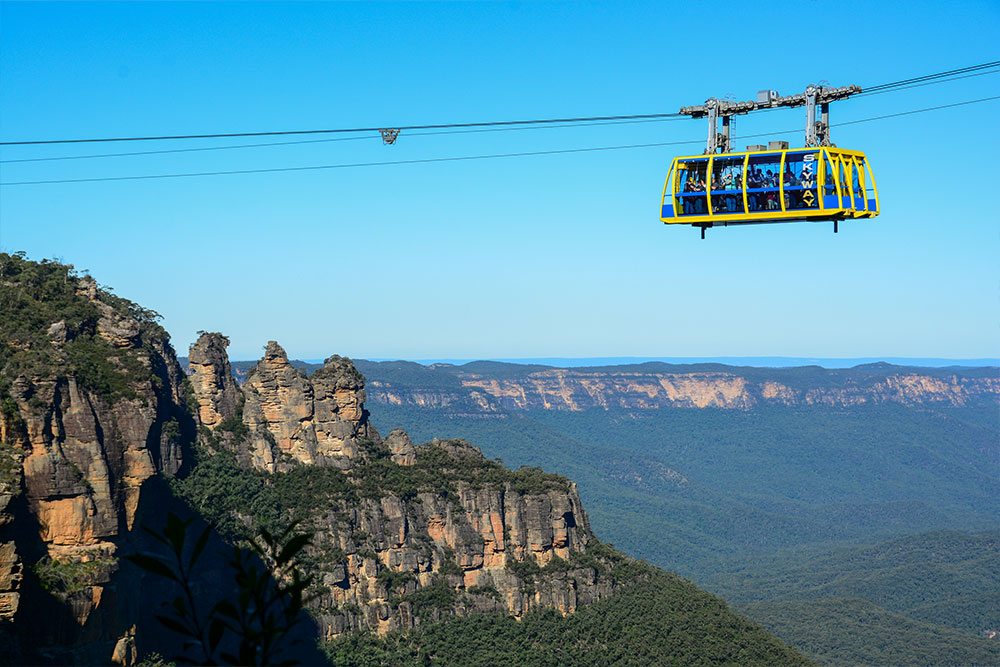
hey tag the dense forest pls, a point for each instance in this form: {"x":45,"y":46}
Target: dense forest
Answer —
{"x":660,"y":619}
{"x":946,"y":578}
{"x":850,"y":631}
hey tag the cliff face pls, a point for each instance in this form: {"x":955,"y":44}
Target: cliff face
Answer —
{"x":487,"y":547}
{"x":407,"y":523}
{"x":10,"y":560}
{"x":211,"y":377}
{"x":455,"y":388}
{"x":96,"y":412}
{"x":294,"y":419}
{"x":92,"y":408}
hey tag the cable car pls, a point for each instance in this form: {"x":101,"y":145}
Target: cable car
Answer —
{"x":769,"y":184}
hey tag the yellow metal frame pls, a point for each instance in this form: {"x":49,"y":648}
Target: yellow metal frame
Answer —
{"x":836,"y":158}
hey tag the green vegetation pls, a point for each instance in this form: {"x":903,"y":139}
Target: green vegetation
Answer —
{"x":448,"y":565}
{"x":658,"y":620}
{"x":235,"y":497}
{"x":40,"y":295}
{"x":53,"y":329}
{"x":238,"y":499}
{"x":394,"y":581}
{"x":946,"y":577}
{"x":10,"y":469}
{"x":111,"y":372}
{"x":154,"y":659}
{"x":686,"y":488}
{"x":69,"y":576}
{"x":689,"y":625}
{"x":488,"y":590}
{"x":438,"y":467}
{"x":941,"y":587}
{"x":439,"y":596}
{"x":848,"y":632}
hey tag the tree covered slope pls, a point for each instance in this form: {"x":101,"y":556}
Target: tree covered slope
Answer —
{"x":658,"y":619}
{"x":845,"y":632}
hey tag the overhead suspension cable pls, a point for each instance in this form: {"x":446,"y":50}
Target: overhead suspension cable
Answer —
{"x":319,"y":141}
{"x":927,"y":77}
{"x":357,"y":130}
{"x":442,"y":126}
{"x":881,"y":91}
{"x":926,"y":83}
{"x":461,"y":158}
{"x":356,"y":164}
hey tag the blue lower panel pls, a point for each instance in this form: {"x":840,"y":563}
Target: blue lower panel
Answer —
{"x":859,"y":204}
{"x":831,"y":201}
{"x":872,"y":205}
{"x":667,"y":211}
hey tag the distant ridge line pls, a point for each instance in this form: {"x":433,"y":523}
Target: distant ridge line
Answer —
{"x":758,"y":362}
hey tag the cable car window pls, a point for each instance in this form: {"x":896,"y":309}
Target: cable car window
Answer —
{"x":762,"y":182}
{"x":870,"y":188}
{"x":800,"y":178}
{"x":856,"y":186}
{"x":727,"y":185}
{"x":830,"y":182}
{"x":845,"y":189}
{"x":667,"y":205}
{"x":691,"y":187}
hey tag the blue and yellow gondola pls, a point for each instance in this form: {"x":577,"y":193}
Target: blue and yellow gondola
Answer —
{"x":769,"y":185}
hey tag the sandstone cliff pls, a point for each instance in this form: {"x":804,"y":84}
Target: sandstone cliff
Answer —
{"x":491,"y":388}
{"x":403,"y":523}
{"x":211,"y":378}
{"x":101,"y":434}
{"x":293,"y":419}
{"x":93,"y":406}
{"x":482,"y":546}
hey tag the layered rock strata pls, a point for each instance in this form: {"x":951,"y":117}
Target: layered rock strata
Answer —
{"x":294,"y":419}
{"x":97,"y":416}
{"x":481,"y":543}
{"x":494,"y":547}
{"x":574,"y":389}
{"x":211,"y":377}
{"x":91,"y":411}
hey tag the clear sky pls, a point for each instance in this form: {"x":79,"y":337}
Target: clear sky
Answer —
{"x":547,"y":256}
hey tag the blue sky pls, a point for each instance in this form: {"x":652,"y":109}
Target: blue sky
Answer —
{"x":548,"y":256}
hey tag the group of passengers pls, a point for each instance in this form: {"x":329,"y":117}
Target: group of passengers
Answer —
{"x":694,"y":205}
{"x":757,"y":179}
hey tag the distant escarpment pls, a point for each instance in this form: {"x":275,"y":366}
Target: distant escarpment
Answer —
{"x":488,"y":387}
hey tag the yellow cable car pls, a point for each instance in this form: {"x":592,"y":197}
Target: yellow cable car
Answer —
{"x":769,"y":185}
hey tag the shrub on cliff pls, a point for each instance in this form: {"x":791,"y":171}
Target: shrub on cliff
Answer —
{"x":50,"y":326}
